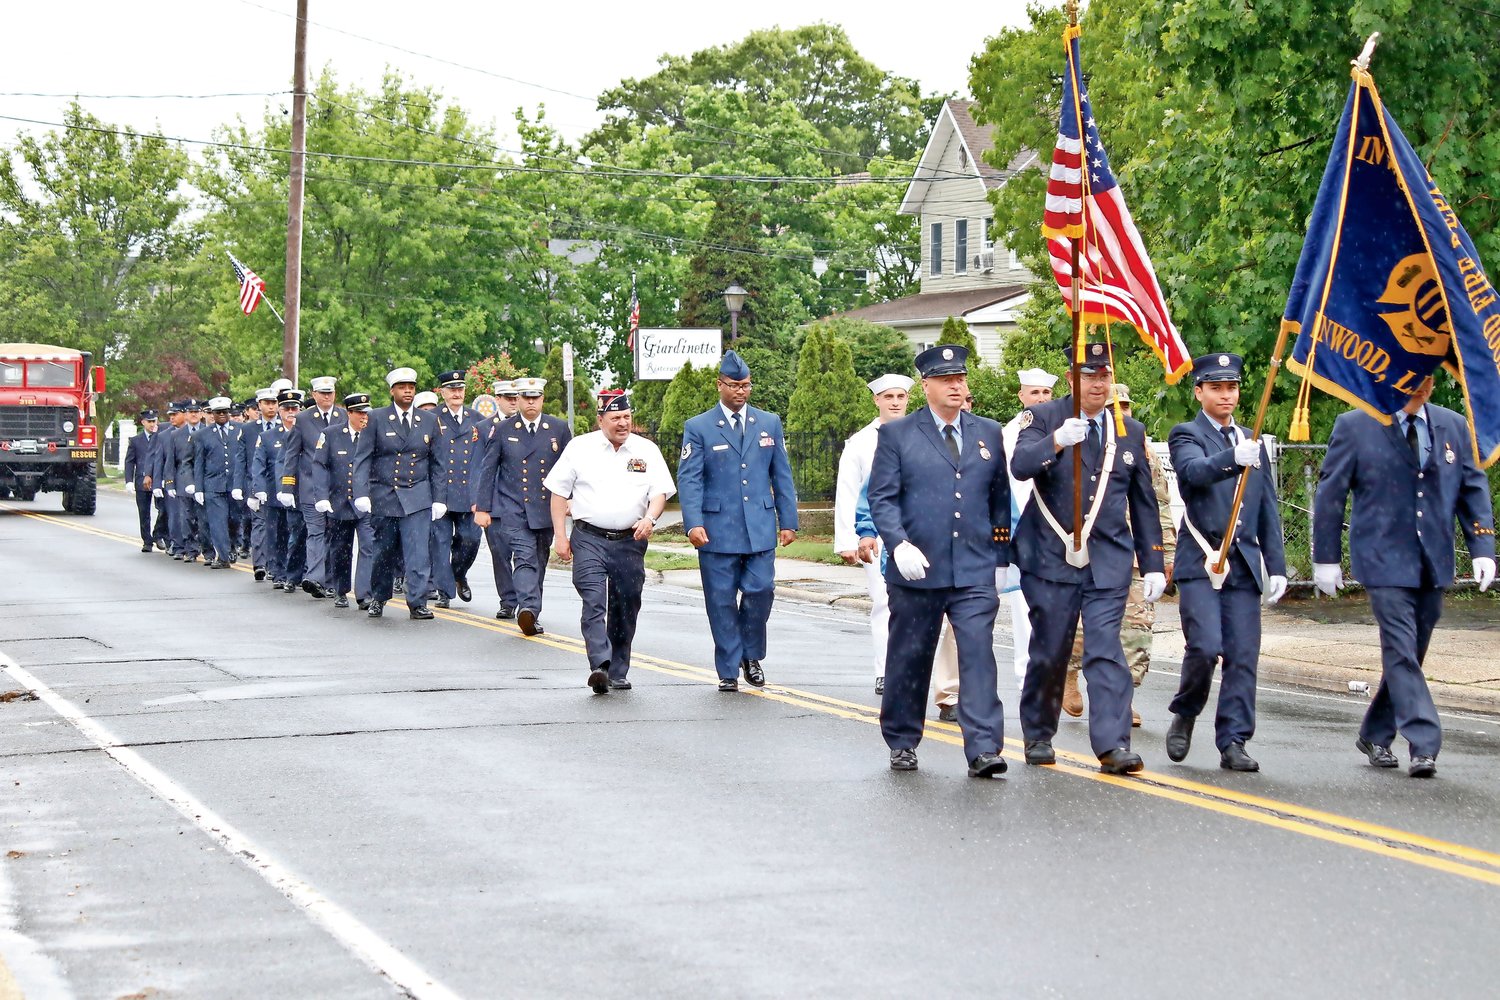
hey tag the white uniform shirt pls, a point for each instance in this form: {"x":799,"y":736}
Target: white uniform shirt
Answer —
{"x":854,"y":473}
{"x":610,"y":488}
{"x":1020,"y":489}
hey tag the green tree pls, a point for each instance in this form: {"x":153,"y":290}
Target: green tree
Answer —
{"x":646,"y":399}
{"x":691,"y":392}
{"x":555,"y":399}
{"x":829,"y":399}
{"x":956,"y":332}
{"x":878,"y":350}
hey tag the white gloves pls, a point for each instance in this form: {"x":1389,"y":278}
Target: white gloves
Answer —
{"x":1153,"y":585}
{"x":202,"y":498}
{"x":1484,"y":572}
{"x":1072,"y":431}
{"x":261,"y":497}
{"x":132,"y":486}
{"x":172,"y":494}
{"x":237,"y":494}
{"x":253,"y":504}
{"x":439,"y":511}
{"x":910,"y":561}
{"x":1275,"y":590}
{"x":1247,"y":452}
{"x":286,"y":499}
{"x":362,"y":504}
{"x":158,"y":492}
{"x":191,"y":489}
{"x":1328,"y":577}
{"x":323,"y":507}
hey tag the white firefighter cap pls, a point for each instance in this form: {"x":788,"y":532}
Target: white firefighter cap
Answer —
{"x":220,"y":403}
{"x":265,"y":394}
{"x":424,"y":398}
{"x":281,"y":383}
{"x":399,"y":375}
{"x":530,"y":386}
{"x":324,"y":383}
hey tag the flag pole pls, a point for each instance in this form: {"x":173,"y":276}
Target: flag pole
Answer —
{"x":1260,"y":419}
{"x":1077,"y":290}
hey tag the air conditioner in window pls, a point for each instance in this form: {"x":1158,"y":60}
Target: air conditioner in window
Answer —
{"x":984,"y":262}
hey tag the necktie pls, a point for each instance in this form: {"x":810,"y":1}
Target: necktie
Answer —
{"x":1228,"y":433}
{"x":1091,"y":450}
{"x":952,"y":441}
{"x":734,"y":419}
{"x":221,"y":433}
{"x":406,"y":421}
{"x":531,"y":428}
{"x":1413,"y":438}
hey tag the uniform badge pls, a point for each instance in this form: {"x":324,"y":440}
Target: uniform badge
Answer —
{"x":319,"y":445}
{"x":1026,"y":418}
{"x":984,"y":453}
{"x":554,"y":446}
{"x":768,"y":442}
{"x":1128,"y":458}
{"x":687,"y":447}
{"x":636,"y":465}
{"x":1448,"y":455}
{"x":427,"y":439}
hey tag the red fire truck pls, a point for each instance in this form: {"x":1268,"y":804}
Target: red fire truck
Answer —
{"x":49,"y":440}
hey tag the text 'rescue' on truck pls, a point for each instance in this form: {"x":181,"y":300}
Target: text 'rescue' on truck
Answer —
{"x":49,"y":440}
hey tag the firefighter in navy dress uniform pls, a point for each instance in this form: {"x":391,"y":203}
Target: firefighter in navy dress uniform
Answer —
{"x":140,"y":470}
{"x":455,"y":536}
{"x":332,"y":490}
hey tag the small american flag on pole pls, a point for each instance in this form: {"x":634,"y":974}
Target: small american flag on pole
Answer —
{"x":252,"y":285}
{"x":635,"y":315}
{"x":1084,"y":203}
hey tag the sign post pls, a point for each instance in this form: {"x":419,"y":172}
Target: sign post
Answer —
{"x":567,"y":360}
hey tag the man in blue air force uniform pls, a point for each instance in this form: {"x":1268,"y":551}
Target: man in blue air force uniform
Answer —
{"x":398,"y":481}
{"x":140,"y":471}
{"x":455,"y":535}
{"x":218,"y":476}
{"x":735,"y":485}
{"x":1410,"y":480}
{"x":1221,"y":611}
{"x":332,"y":490}
{"x":940,"y":499}
{"x":298,"y":459}
{"x":1062,"y":582}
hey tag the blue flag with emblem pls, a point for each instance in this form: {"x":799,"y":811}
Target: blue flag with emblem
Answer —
{"x":1389,"y":285}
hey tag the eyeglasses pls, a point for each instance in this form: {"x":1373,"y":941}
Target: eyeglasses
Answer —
{"x":735,"y":386}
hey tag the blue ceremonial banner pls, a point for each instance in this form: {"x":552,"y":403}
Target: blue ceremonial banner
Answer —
{"x":1389,"y":285}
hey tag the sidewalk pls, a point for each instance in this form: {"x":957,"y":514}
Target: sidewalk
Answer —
{"x":1462,"y":666}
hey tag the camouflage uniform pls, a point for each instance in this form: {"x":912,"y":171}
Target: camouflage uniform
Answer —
{"x":1135,"y":630}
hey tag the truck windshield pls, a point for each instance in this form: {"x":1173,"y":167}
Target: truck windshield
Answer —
{"x":49,"y":374}
{"x":10,"y":373}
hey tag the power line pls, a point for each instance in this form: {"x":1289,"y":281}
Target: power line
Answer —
{"x":149,"y":97}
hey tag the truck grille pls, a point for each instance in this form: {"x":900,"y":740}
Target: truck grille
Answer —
{"x":39,"y":422}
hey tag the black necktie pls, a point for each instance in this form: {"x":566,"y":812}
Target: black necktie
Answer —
{"x":952,"y":440}
{"x":406,"y":421}
{"x":531,"y":428}
{"x":1411,"y":439}
{"x":734,"y":419}
{"x":1091,"y":449}
{"x":1228,"y":433}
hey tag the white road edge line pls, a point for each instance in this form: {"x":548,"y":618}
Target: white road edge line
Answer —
{"x":379,"y":954}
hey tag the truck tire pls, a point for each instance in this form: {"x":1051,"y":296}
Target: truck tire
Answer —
{"x":81,"y":499}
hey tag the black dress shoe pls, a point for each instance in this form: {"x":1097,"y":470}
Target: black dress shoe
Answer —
{"x":260,"y":573}
{"x":399,"y":586}
{"x":161,"y":545}
{"x":729,"y":684}
{"x":342,"y":602}
{"x":904,"y":760}
{"x":1234,"y":758}
{"x":177,"y":557}
{"x":218,"y":564}
{"x":1120,"y":761}
{"x":754,"y":676}
{"x":1180,"y":736}
{"x":309,"y":587}
{"x":880,"y":685}
{"x":620,"y":685}
{"x":420,"y":613}
{"x":526,"y":618}
{"x":506,"y":613}
{"x":599,"y":680}
{"x":1422,"y":767}
{"x":1379,"y":756}
{"x":1040,"y":752}
{"x":364,"y":604}
{"x":146,"y":547}
{"x":987,"y":765}
{"x":538,"y":630}
{"x":442,"y":602}
{"x":947,"y":713}
{"x":376,"y":609}
{"x":464,"y":593}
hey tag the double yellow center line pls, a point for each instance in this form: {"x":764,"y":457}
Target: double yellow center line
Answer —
{"x":1428,"y":852}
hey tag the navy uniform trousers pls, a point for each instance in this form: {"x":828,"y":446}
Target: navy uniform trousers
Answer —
{"x":406,"y":538}
{"x":1403,"y":703}
{"x":499,"y":544}
{"x":609,"y":574}
{"x":528,"y":559}
{"x":286,"y":544}
{"x":738,"y":589}
{"x":344,"y":571}
{"x":1219,"y":624}
{"x":215,"y":520}
{"x":455,"y":545}
{"x":1055,"y":611}
{"x":143,"y":500}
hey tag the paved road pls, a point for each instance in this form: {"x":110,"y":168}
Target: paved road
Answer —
{"x":298,"y":802}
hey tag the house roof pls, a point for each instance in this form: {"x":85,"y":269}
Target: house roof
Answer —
{"x":957,"y":118}
{"x":932,"y":306}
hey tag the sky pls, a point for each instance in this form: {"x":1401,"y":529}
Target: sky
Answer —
{"x":512,"y":54}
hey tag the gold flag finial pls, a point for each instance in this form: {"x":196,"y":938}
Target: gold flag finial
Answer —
{"x":1073,"y":12}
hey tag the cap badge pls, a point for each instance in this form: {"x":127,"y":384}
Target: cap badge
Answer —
{"x":947,"y":354}
{"x":1223,"y":361}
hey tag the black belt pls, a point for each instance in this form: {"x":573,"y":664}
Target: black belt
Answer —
{"x":607,"y":534}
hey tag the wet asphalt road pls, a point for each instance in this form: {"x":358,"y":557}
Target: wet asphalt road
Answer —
{"x":368,"y":809}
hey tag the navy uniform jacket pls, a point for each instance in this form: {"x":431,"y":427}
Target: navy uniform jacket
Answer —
{"x":217,"y":463}
{"x":332,"y":476}
{"x":400,"y":471}
{"x":177,"y":459}
{"x":513,"y":467}
{"x":253,"y":430}
{"x":1401,"y":514}
{"x":298,"y":461}
{"x":266,"y":465}
{"x":1207,"y":477}
{"x":461,"y":447}
{"x":737,"y":488}
{"x":957,"y":514}
{"x":1113,"y":552}
{"x":140,"y":459}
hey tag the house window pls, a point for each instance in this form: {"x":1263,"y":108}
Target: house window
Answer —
{"x":960,"y":246}
{"x":936,"y":253}
{"x":1015,"y":261}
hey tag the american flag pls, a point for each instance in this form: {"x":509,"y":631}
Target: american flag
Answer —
{"x":252,"y":285}
{"x":635,"y":315}
{"x":1084,"y":203}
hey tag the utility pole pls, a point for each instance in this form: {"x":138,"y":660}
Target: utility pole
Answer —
{"x":290,"y":340}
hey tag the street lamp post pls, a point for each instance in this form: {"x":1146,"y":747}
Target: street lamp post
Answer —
{"x":734,"y":301}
